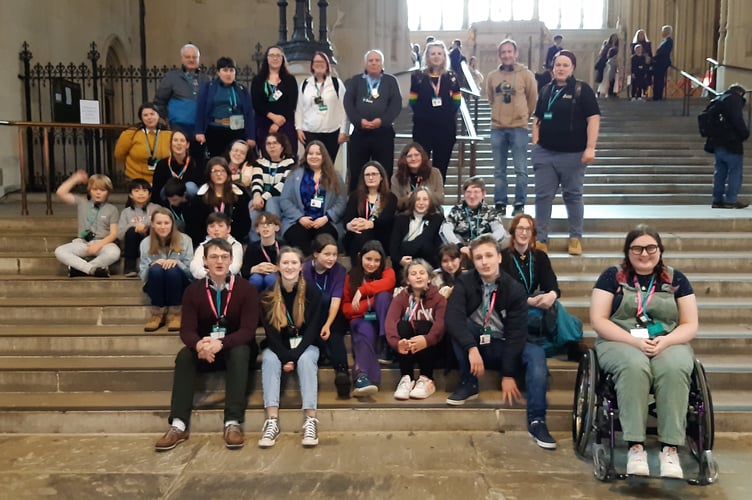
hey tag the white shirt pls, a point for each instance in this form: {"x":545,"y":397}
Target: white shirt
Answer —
{"x":308,"y":116}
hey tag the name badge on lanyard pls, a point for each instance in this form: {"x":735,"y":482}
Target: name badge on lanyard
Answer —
{"x":219,"y":329}
{"x":436,"y":102}
{"x":237,"y":122}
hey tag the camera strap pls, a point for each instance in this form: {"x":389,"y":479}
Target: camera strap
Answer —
{"x":92,"y":217}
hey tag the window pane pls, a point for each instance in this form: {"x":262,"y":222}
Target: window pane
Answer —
{"x":478,"y":10}
{"x":452,"y":14}
{"x":570,"y":17}
{"x":548,"y":13}
{"x":501,"y":10}
{"x":523,"y":10}
{"x":593,"y":15}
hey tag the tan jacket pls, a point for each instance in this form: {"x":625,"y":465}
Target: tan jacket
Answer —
{"x":515,"y":114}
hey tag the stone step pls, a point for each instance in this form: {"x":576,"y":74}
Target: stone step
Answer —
{"x":77,"y":314}
{"x":704,"y":284}
{"x":719,"y":311}
{"x":688,"y":262}
{"x":53,"y":286}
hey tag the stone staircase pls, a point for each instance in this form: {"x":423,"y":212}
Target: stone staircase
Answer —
{"x":74,"y":357}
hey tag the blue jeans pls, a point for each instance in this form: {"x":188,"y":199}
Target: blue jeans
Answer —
{"x":165,"y":286}
{"x":533,"y":359}
{"x":307,"y":368}
{"x":727,"y":176}
{"x":553,"y":169}
{"x":502,"y":140}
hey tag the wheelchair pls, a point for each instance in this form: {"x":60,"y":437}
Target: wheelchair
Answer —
{"x":595,"y":421}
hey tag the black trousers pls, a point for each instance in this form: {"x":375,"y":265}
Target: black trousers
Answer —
{"x":426,"y":358}
{"x":367,"y":145}
{"x":438,"y":145}
{"x":330,"y":140}
{"x":334,"y":346}
{"x":218,"y":139}
{"x":298,"y":236}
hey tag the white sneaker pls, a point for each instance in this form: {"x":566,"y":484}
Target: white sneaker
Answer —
{"x":310,"y":432}
{"x":637,"y":461}
{"x":670,"y":466}
{"x":270,"y":433}
{"x":424,"y":387}
{"x":403,"y":388}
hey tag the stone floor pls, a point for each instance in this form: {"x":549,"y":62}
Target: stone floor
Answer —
{"x":423,"y":465}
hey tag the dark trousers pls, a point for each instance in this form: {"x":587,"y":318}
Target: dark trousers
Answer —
{"x":330,"y":140}
{"x":426,"y":358}
{"x":298,"y":236}
{"x":218,"y":139}
{"x":438,"y":145}
{"x":367,"y":145}
{"x":131,"y":243}
{"x":659,"y":82}
{"x":235,"y":363}
{"x":334,"y":346}
{"x":165,"y":287}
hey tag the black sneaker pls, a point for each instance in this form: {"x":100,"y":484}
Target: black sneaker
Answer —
{"x":518,"y":209}
{"x":736,"y":204}
{"x":501,"y":208}
{"x":465,"y":392}
{"x":386,"y":354}
{"x":75,"y":273}
{"x":717,"y":204}
{"x":342,"y":383}
{"x":101,"y":272}
{"x":538,"y":430}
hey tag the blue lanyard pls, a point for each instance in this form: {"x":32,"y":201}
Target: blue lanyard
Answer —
{"x":554,"y":95}
{"x":528,"y":284}
{"x":373,"y":84}
{"x":316,"y":280}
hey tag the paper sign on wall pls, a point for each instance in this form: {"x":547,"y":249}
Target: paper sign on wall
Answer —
{"x":90,"y":112}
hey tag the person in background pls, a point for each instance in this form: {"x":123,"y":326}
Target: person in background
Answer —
{"x":512,"y":93}
{"x":134,"y":223}
{"x":414,"y":328}
{"x":179,"y":165}
{"x":165,"y":270}
{"x":320,"y":114}
{"x":218,"y":330}
{"x":477,"y":75}
{"x":435,"y":98}
{"x":600,"y":62}
{"x":176,"y":202}
{"x":144,"y":144}
{"x":274,"y":92}
{"x":565,"y":132}
{"x":218,"y":225}
{"x":372,"y":103}
{"x":176,"y":98}
{"x":612,"y":68}
{"x":729,"y":150}
{"x":641,"y":38}
{"x":662,"y":62}
{"x":224,"y":112}
{"x":553,"y":50}
{"x":94,"y":249}
{"x":414,"y":170}
{"x":455,"y":60}
{"x":292,"y":321}
{"x":640,"y":73}
{"x":260,"y":258}
{"x":415,"y":232}
{"x":268,"y":176}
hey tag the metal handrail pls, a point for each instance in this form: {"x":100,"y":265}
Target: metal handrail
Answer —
{"x":688,"y":80}
{"x":23,"y":126}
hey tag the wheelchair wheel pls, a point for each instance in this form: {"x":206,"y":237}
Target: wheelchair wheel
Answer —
{"x":583,"y":407}
{"x":700,"y":420}
{"x":602,"y":463}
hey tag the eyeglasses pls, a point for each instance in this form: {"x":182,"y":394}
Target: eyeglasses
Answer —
{"x":522,"y":229}
{"x":219,"y":256}
{"x":371,"y":174}
{"x":638,"y":249}
{"x":218,"y":172}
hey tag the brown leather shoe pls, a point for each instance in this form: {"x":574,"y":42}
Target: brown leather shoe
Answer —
{"x":234,"y":438}
{"x":171,"y":439}
{"x":174,"y":314}
{"x":575,"y":246}
{"x":156,"y":320}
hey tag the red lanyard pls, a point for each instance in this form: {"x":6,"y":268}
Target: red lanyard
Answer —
{"x":218,"y":305}
{"x":642,"y":304}
{"x":182,"y":172}
{"x":266,"y":255}
{"x":412,"y":309}
{"x":490,"y":310}
{"x":437,"y":87}
{"x":220,"y":208}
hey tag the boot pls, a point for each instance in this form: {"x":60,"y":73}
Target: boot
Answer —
{"x":156,"y":320}
{"x":173,"y":318}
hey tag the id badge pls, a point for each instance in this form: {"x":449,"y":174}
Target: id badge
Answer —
{"x":639,"y":333}
{"x":237,"y":122}
{"x":317,"y":201}
{"x":485,"y":338}
{"x":375,"y":93}
{"x":218,"y":332}
{"x":436,"y":102}
{"x":277,"y":94}
{"x":151,"y":164}
{"x":367,"y":100}
{"x":295,"y":341}
{"x":323,"y":108}
{"x":370,"y":316}
{"x":548,"y":115}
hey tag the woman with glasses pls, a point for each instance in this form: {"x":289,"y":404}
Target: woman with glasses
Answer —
{"x":320,"y":114}
{"x":414,"y":170}
{"x":219,"y":194}
{"x":645,"y":315}
{"x":274,"y":92}
{"x":313,"y":200}
{"x":370,"y":210}
{"x":268,"y":176}
{"x":223,"y":111}
{"x":415,"y":233}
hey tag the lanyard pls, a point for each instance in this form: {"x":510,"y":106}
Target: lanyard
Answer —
{"x":182,"y":171}
{"x":418,"y":181}
{"x":489,"y":311}
{"x":316,"y":184}
{"x":91,"y":220}
{"x":373,"y":84}
{"x":642,"y":303}
{"x":554,"y":95}
{"x":528,"y":284}
{"x":437,"y":87}
{"x":290,"y":322}
{"x":316,"y":280}
{"x":233,"y":99}
{"x":178,"y":216}
{"x":270,"y":89}
{"x":148,"y":145}
{"x":220,"y":208}
{"x":473,"y":230}
{"x":266,"y":255}
{"x":316,"y":86}
{"x":218,"y":305}
{"x":370,"y":212}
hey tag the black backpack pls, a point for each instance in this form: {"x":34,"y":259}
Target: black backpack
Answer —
{"x":712,"y":120}
{"x":335,"y":82}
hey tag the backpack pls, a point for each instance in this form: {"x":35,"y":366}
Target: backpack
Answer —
{"x":711,"y":121}
{"x":335,"y":82}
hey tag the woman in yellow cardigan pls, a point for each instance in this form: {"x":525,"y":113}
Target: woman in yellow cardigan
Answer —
{"x":143,"y":145}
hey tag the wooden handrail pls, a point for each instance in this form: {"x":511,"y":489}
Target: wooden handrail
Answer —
{"x":22,"y":123}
